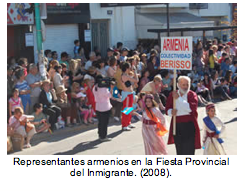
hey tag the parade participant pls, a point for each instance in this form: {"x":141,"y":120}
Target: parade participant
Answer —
{"x":127,"y":94}
{"x":153,"y":128}
{"x":187,"y":137}
{"x":103,"y":108}
{"x":213,"y":131}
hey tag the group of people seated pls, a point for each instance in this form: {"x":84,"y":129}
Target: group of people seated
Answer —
{"x":65,"y":94}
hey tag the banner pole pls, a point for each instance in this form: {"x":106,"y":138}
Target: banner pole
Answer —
{"x":174,"y":104}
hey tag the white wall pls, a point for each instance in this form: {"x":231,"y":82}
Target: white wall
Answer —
{"x":59,"y":38}
{"x":121,"y":23}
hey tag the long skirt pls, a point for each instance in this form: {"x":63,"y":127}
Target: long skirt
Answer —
{"x":154,"y":144}
{"x":213,"y":147}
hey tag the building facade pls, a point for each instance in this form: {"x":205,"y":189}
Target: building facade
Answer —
{"x":65,"y":23}
{"x":129,"y":24}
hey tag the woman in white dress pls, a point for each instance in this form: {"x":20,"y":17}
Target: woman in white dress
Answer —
{"x":213,"y":133}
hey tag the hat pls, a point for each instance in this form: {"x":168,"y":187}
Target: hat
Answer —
{"x":110,"y":49}
{"x":125,"y":49}
{"x":88,"y":77}
{"x":46,"y":82}
{"x":149,"y":96}
{"x":80,"y":94}
{"x":209,"y":106}
{"x":60,"y":89}
{"x":144,"y":55}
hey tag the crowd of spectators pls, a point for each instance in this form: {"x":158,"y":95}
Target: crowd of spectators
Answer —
{"x":65,"y":96}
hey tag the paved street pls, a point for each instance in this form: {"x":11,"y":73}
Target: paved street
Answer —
{"x":84,"y":141}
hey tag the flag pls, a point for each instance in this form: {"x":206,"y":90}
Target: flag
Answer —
{"x":127,"y":110}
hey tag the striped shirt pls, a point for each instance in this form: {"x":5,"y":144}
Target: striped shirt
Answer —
{"x":22,"y":86}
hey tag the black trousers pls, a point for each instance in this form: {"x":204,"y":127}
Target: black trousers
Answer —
{"x":118,"y":107}
{"x":185,"y":138}
{"x":103,"y":118}
{"x":53,"y":112}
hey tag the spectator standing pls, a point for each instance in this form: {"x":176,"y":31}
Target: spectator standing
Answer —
{"x":144,"y":80}
{"x":112,"y":67}
{"x":152,"y":67}
{"x":24,"y":90}
{"x":124,"y":54}
{"x":64,"y":58}
{"x":76,"y":48}
{"x":34,"y":81}
{"x":92,"y":58}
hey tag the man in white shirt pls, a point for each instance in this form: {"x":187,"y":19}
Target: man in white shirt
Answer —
{"x":92,"y":57}
{"x":187,"y":137}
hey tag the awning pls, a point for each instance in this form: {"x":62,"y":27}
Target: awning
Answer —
{"x":147,"y":21}
{"x":161,"y":18}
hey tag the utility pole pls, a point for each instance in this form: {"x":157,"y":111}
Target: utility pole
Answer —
{"x":168,"y":20}
{"x":39,"y":41}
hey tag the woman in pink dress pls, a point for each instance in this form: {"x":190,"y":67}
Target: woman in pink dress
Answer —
{"x":153,"y":128}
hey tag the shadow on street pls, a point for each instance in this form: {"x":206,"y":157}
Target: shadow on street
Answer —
{"x":83,"y":146}
{"x":232,"y":120}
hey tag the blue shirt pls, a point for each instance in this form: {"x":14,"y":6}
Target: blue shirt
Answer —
{"x":224,"y":68}
{"x":49,"y":97}
{"x":168,"y":81}
{"x":22,"y":86}
{"x":76,"y":49}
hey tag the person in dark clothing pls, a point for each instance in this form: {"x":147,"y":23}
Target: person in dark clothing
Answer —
{"x":152,"y":67}
{"x":47,"y":97}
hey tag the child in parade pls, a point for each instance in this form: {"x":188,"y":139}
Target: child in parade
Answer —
{"x":213,"y":131}
{"x":153,"y":128}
